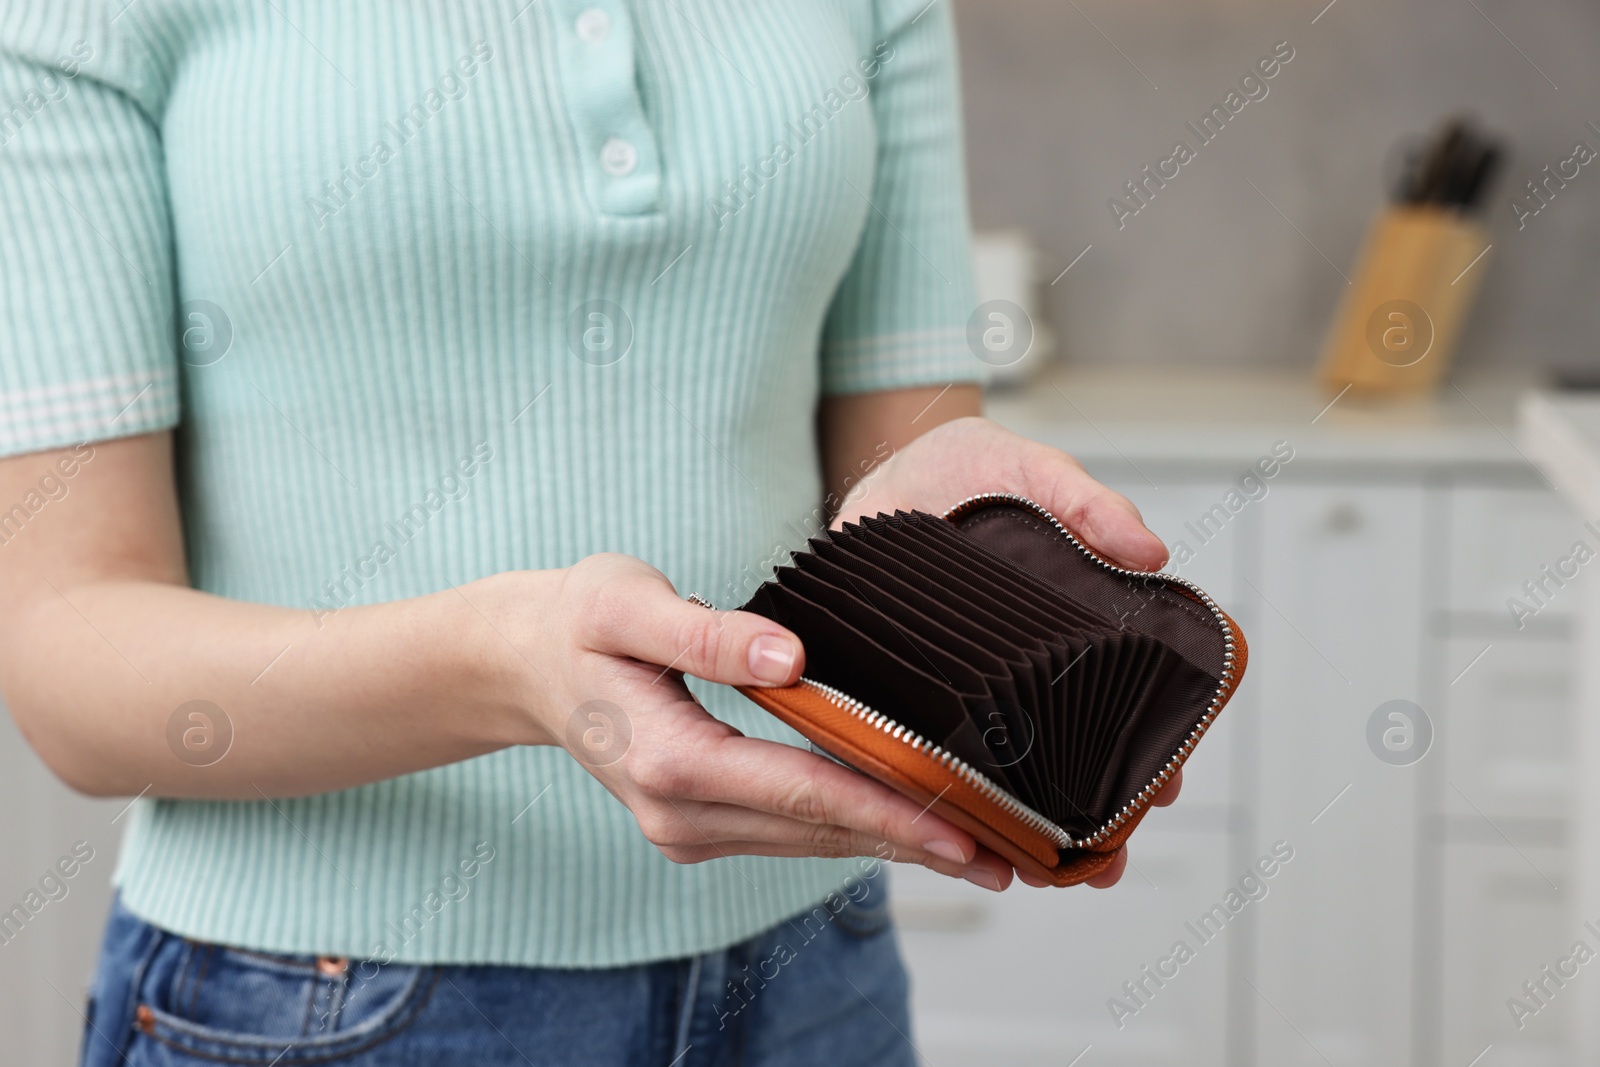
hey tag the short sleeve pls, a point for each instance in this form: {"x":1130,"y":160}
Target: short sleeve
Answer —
{"x":87,"y":349}
{"x":900,"y":314}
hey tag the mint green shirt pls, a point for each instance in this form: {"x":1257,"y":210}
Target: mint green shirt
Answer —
{"x":433,"y":289}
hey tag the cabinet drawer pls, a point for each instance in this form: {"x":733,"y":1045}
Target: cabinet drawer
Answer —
{"x":1500,"y":538}
{"x":1502,"y":922}
{"x":1508,"y":731}
{"x":1024,"y":977}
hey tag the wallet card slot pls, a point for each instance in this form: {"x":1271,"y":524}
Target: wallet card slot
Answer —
{"x":930,"y":577}
{"x":940,"y":628}
{"x":1117,"y":687}
{"x":842,"y":656}
{"x":1105,"y":660}
{"x":1023,"y":654}
{"x":1076,"y":689}
{"x":1002,"y":717}
{"x":1059,"y":599}
{"x":1157,"y":724}
{"x":976,"y":621}
{"x":1060,"y":611}
{"x":1066,"y":665}
{"x":1153,"y":663}
{"x":976,"y":689}
{"x":1028,"y":607}
{"x":960,"y":676}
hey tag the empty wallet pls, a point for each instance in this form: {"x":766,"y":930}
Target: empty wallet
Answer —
{"x":990,"y":665}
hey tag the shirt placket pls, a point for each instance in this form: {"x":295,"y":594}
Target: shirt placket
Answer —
{"x":621,"y":158}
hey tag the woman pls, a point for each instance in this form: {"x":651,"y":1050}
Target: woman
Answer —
{"x":355,"y":358}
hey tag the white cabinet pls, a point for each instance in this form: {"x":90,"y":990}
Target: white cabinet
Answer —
{"x":1339,"y":575}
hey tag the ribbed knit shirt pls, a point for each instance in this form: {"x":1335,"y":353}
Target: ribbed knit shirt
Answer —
{"x":435,"y":289}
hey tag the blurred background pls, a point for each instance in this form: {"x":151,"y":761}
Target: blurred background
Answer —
{"x":1067,"y":101}
{"x":1405,"y":728}
{"x":1411,"y":732}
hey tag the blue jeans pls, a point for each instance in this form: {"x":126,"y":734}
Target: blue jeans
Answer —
{"x":821,"y":988}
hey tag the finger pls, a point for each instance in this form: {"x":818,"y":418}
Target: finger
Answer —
{"x":1112,"y":874}
{"x":996,"y":872}
{"x":785,"y":781}
{"x":1033,"y":880}
{"x":1169,"y":792}
{"x":637,"y":613}
{"x":731,"y":828}
{"x":691,"y":832}
{"x":987,"y":871}
{"x":995,"y":877}
{"x":688,"y":823}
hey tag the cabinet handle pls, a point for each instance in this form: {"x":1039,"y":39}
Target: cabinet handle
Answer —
{"x":1342,"y":518}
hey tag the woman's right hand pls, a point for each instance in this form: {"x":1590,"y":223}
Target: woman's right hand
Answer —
{"x":608,"y":642}
{"x":105,"y":650}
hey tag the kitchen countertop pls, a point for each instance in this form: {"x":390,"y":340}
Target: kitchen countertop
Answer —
{"x":1560,"y":432}
{"x":1172,"y":418}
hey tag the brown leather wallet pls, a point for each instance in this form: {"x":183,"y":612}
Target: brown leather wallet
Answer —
{"x":990,"y":665}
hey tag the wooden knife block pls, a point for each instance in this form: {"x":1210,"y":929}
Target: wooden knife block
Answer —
{"x":1397,"y":327}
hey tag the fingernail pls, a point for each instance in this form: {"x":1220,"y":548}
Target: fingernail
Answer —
{"x":771,"y":658}
{"x":946,"y":850}
{"x":987,"y":879}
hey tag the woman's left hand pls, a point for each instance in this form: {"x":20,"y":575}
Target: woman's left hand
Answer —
{"x":963,"y":457}
{"x":972,"y":455}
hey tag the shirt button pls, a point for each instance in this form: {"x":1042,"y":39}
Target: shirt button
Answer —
{"x":619,"y":157}
{"x":594,"y":26}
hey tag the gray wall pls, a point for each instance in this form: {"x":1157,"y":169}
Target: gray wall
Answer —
{"x":1057,"y":120}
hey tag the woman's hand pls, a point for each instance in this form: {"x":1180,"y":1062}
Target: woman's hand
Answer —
{"x":971,"y":455}
{"x":608,"y":641}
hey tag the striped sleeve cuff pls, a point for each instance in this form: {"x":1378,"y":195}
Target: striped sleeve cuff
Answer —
{"x":55,"y":416}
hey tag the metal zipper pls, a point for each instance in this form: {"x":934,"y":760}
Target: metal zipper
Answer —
{"x":918,"y":743}
{"x":981,"y":782}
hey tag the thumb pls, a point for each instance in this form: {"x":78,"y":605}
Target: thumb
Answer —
{"x":1107,"y":521}
{"x":731,"y":647}
{"x":1112,"y":526}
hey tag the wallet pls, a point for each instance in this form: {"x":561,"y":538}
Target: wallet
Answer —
{"x":990,"y":665}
